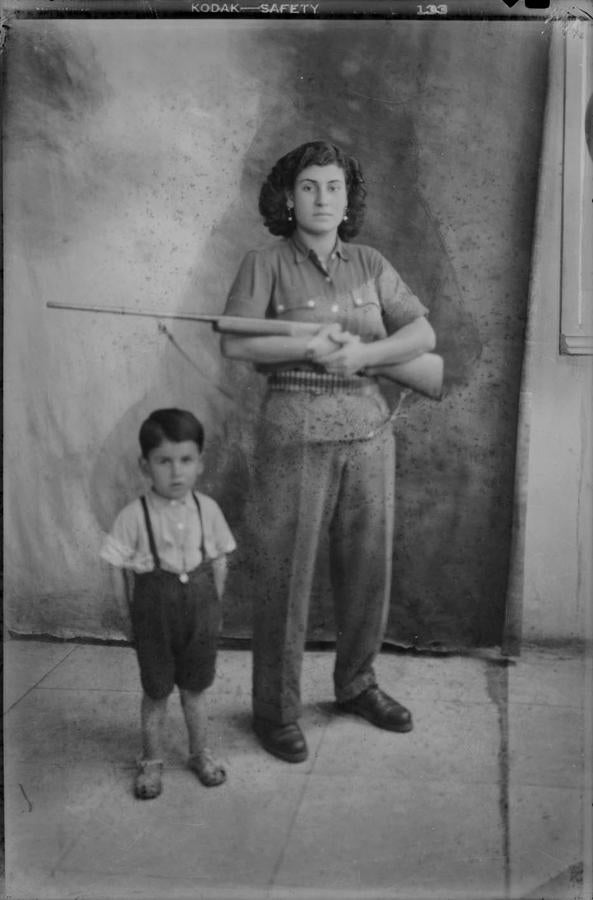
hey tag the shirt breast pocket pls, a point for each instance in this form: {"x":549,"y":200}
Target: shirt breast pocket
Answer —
{"x":297,"y":307}
{"x":365,"y":313}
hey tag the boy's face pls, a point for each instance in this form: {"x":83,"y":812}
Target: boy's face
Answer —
{"x":173,"y":467}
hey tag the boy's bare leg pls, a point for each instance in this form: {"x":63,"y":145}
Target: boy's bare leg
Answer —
{"x":209,"y":771}
{"x":152,"y":716}
{"x":148,"y":779}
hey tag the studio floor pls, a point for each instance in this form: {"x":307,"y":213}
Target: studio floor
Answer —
{"x":488,"y":797}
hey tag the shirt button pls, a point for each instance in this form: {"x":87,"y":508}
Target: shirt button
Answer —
{"x":280,"y":307}
{"x":335,"y":307}
{"x":357,"y":301}
{"x":311,"y":303}
{"x":333,"y":255}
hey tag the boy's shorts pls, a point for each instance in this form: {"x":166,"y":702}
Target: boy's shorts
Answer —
{"x":176,"y":630}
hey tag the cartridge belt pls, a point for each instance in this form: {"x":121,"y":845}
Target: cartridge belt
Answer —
{"x":318,"y":382}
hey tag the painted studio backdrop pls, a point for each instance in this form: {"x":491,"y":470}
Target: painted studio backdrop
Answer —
{"x":134,"y":154}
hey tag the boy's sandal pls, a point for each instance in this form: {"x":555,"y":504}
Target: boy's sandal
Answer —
{"x":149,"y":779}
{"x":210,"y":772}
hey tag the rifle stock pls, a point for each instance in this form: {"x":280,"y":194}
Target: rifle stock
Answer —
{"x":423,"y":374}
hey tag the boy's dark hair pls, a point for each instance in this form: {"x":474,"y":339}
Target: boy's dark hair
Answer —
{"x":170,"y":425}
{"x":272,"y":198}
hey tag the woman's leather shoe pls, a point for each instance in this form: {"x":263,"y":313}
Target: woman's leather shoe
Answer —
{"x":380,"y":709}
{"x":287,"y":742}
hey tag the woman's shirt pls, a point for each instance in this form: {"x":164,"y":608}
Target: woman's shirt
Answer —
{"x":361,"y":291}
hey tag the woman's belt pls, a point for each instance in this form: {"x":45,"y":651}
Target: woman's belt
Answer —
{"x":318,"y":382}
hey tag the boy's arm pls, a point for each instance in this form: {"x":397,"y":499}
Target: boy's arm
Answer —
{"x":220,"y":571}
{"x":120,"y":550}
{"x":122,"y":585}
{"x":220,"y":542}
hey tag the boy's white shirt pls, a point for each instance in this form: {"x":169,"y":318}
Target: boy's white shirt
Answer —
{"x":176,"y":527}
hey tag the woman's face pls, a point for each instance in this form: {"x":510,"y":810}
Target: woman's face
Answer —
{"x":319,"y":199}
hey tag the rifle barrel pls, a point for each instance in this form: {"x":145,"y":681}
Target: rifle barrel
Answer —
{"x":123,"y":311}
{"x":224,"y":324}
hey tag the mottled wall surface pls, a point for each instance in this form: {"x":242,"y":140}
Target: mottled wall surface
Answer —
{"x":134,"y":152}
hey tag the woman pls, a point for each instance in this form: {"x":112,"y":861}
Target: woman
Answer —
{"x":325,"y":463}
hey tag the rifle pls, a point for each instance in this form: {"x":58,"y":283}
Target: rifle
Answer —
{"x":423,"y":374}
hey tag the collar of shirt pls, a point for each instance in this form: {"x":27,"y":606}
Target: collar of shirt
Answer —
{"x":164,"y":502}
{"x":302,"y":252}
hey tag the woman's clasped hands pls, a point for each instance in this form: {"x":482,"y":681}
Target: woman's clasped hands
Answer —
{"x":339,"y":352}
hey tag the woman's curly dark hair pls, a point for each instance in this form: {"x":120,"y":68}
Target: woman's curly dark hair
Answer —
{"x":272,"y":198}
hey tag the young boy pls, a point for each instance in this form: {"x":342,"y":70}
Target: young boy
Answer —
{"x":175,"y":541}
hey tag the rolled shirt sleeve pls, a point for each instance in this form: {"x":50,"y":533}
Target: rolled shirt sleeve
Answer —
{"x":252,"y":288}
{"x":122,"y":547}
{"x":218,"y":538}
{"x":400,"y":306}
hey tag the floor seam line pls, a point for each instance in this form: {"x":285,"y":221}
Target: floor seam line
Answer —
{"x":282,"y":853}
{"x":37,"y":683}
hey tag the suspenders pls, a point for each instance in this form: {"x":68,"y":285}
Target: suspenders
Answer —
{"x":155,"y":555}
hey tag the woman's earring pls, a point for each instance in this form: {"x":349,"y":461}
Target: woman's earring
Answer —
{"x":289,"y":213}
{"x":345,"y":216}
